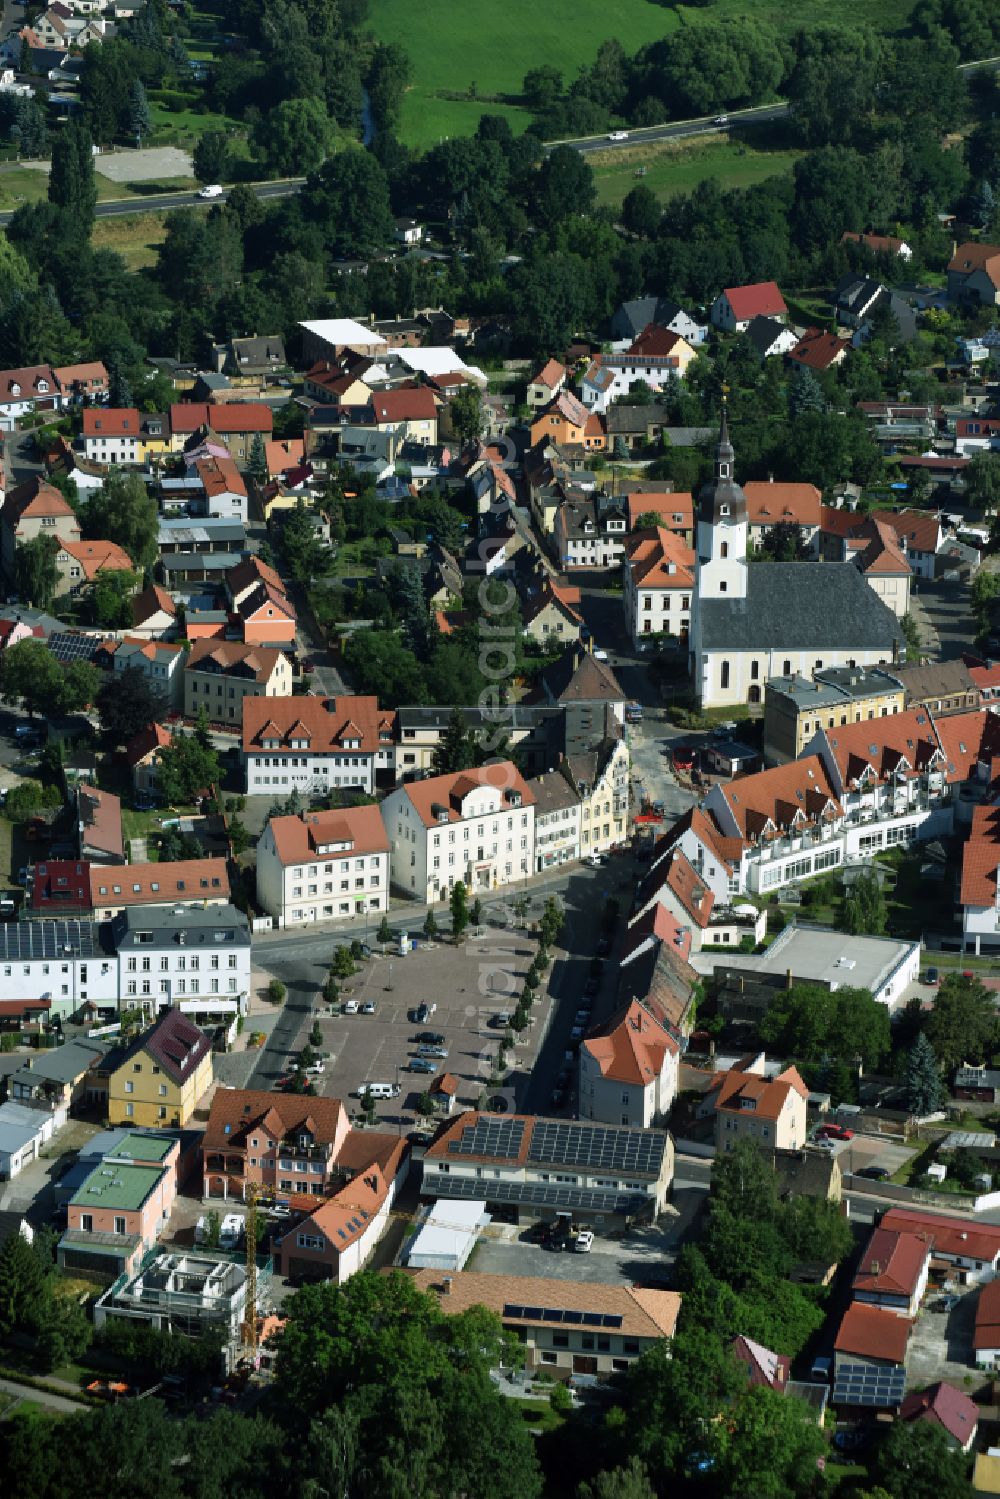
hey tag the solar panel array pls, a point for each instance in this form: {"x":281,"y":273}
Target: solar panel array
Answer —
{"x":491,"y":1135}
{"x":864,"y":1384}
{"x":23,"y":940}
{"x":67,"y":646}
{"x":557,"y":1314}
{"x":537,"y":1194}
{"x":598,"y":1147}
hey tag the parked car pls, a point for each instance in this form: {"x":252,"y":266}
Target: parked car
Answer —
{"x":874,"y":1173}
{"x":501,"y":1020}
{"x":583,"y":1243}
{"x":431,"y":1038}
{"x":594,"y":860}
{"x":931,"y":976}
{"x":231,"y":1231}
{"x":835,"y":1132}
{"x":212,"y":190}
{"x":368,"y":1008}
{"x":350,"y":1007}
{"x":440,"y":1052}
{"x":422,"y":1064}
{"x":683,"y":757}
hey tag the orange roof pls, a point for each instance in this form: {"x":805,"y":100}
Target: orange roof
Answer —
{"x":882,"y":556}
{"x":981,"y":859}
{"x":657,"y":342}
{"x":631,"y":1046}
{"x":550,"y":374}
{"x":34,"y":498}
{"x":892,"y":1263}
{"x":917,"y":530}
{"x":728,"y":851}
{"x":450,"y":620}
{"x":770,"y":504}
{"x":870,"y":1332}
{"x":762,"y":299}
{"x":150,"y":739}
{"x":660,"y":559}
{"x":407,"y":404}
{"x":770,"y":800}
{"x":675,"y":510}
{"x":694,"y":896}
{"x":236,"y":1112}
{"x":446,"y":1083}
{"x":159,"y":884}
{"x":740,"y":1092}
{"x":562,"y":598}
{"x":883,"y":749}
{"x":220,"y":476}
{"x":281,"y":456}
{"x":327,"y":722}
{"x":233,"y":416}
{"x":974,"y":256}
{"x":339,"y":834}
{"x":441,"y":798}
{"x":82,"y":374}
{"x":233,"y":656}
{"x":645,"y":1312}
{"x":967,"y":738}
{"x":250,"y":572}
{"x":347,"y":1215}
{"x":657,"y":924}
{"x":99,"y":556}
{"x":112,"y":421}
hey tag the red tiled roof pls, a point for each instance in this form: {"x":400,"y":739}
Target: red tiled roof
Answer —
{"x":882,"y":556}
{"x":256,"y":661}
{"x":737,"y":1088}
{"x":948,"y":1236}
{"x":447,"y":793}
{"x":946,"y":1407}
{"x":408,"y":404}
{"x":975,"y":256}
{"x":659,"y":925}
{"x":918,"y":530}
{"x":691,"y":891}
{"x":966,"y":739}
{"x":763,"y":1366}
{"x":883,"y":748}
{"x":328,"y":722}
{"x":159,"y":884}
{"x":987,"y":1330}
{"x":61,"y":887}
{"x":762,"y":299}
{"x":981,"y":859}
{"x":34,"y":498}
{"x":563,"y":599}
{"x":151,"y":601}
{"x":236,"y":1112}
{"x":99,"y":556}
{"x":657,"y":342}
{"x":220,"y":476}
{"x":728,"y":851}
{"x":892,"y":1263}
{"x":154,"y":736}
{"x":359,"y":829}
{"x":674,"y":511}
{"x":660,"y":559}
{"x":27,"y":381}
{"x":630,"y":1047}
{"x":879,"y":244}
{"x":101,"y":819}
{"x":770,"y":800}
{"x":232,"y":416}
{"x":770,"y":504}
{"x":818,"y":350}
{"x":111,"y":421}
{"x":870,"y":1332}
{"x":550,"y":374}
{"x":250,"y":572}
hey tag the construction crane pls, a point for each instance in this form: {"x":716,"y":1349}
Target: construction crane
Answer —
{"x":251,"y":1330}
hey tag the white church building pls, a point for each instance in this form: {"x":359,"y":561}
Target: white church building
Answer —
{"x":755,"y":620}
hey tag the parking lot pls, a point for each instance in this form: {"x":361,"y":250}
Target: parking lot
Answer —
{"x":468,"y":984}
{"x":941,"y":1343}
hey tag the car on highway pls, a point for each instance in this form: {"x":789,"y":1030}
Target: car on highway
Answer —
{"x":211,"y":190}
{"x":721,"y":120}
{"x":618,"y":135}
{"x":422,"y":1064}
{"x":835,"y":1132}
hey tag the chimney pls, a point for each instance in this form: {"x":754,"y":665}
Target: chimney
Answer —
{"x":788,"y":978}
{"x":446,"y":1286}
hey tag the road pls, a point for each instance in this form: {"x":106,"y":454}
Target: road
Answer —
{"x":676,"y":130}
{"x":161,"y":202}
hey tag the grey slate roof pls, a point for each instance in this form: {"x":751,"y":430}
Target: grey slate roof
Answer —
{"x":62,"y":1064}
{"x":800,"y":606}
{"x":209,"y":926}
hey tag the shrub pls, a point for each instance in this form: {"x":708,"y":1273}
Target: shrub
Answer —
{"x":276,"y":991}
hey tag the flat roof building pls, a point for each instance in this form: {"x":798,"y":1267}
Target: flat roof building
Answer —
{"x":447,"y":1235}
{"x":815,"y":955}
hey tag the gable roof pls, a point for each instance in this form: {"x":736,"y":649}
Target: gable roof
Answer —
{"x":973,"y":256}
{"x":892,"y":1263}
{"x":771,"y":800}
{"x":684,"y":882}
{"x":17,"y":385}
{"x":658,"y":342}
{"x":151,"y":601}
{"x":763,"y":1366}
{"x":230,"y":416}
{"x":963,"y":1237}
{"x":944,"y":1406}
{"x":879,"y":244}
{"x":882,"y":556}
{"x":818,"y":350}
{"x":630,"y":1046}
{"x":902,"y":744}
{"x":801,"y":606}
{"x":871,"y":1332}
{"x":762,"y":299}
{"x":360,"y":829}
{"x":327,"y":721}
{"x":256,"y":661}
{"x":236,"y":1112}
{"x":577,"y":676}
{"x":646,"y":1311}
{"x":550,"y":374}
{"x":153,"y":737}
{"x":738,"y":1091}
{"x":440,"y":798}
{"x":173,"y":1042}
{"x":654,"y":926}
{"x":158,"y":884}
{"x":917,"y":530}
{"x":770,"y":504}
{"x":35,"y":498}
{"x":764,"y":333}
{"x":99,"y":556}
{"x":987,"y":1329}
{"x":562,"y":599}
{"x":112,"y":421}
{"x":220,"y":476}
{"x":660,"y":559}
{"x":674,"y":509}
{"x":981,"y":859}
{"x":413,"y":403}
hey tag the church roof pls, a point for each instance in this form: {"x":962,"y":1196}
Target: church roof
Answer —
{"x":800,"y":606}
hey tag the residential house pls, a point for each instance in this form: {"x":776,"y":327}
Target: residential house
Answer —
{"x":476,"y":826}
{"x":99,"y":825}
{"x":986,"y":1335}
{"x":183,"y":1293}
{"x":659,"y":579}
{"x":236,"y":424}
{"x":632,"y":317}
{"x":884,"y":567}
{"x":223,"y":492}
{"x":264,"y":613}
{"x":546,"y":383}
{"x":13,"y":631}
{"x":82,"y":383}
{"x":879,"y":244}
{"x":856,"y":298}
{"x":24,"y":1130}
{"x":536,"y":1167}
{"x":219,"y":674}
{"x":770,"y":337}
{"x":656,"y":358}
{"x":161,"y":662}
{"x":142,"y":755}
{"x":974,"y":274}
{"x":643,"y":429}
{"x":315,"y":743}
{"x":154,"y":614}
{"x":589,"y":532}
{"x":71,"y":961}
{"x":748,"y":1105}
{"x":34,"y":388}
{"x":558,"y":809}
{"x":56,"y":1078}
{"x":735,"y":308}
{"x":408,"y":411}
{"x":283,"y":456}
{"x":553,"y":614}
{"x":945,"y":687}
{"x":336,"y":1238}
{"x":117,"y":1214}
{"x":539,"y":734}
{"x":333,"y":386}
{"x":770,"y":504}
{"x":80,"y":563}
{"x":764,"y":1368}
{"x":950,"y":1410}
{"x":621,"y":1323}
{"x":970,"y":1249}
{"x":32,"y":509}
{"x":578,"y":681}
{"x":178,"y":883}
{"x":112,"y":435}
{"x":795,"y":707}
{"x":979,"y":893}
{"x":677,"y":886}
{"x":194,"y":956}
{"x":324,"y":866}
{"x":673,"y":510}
{"x":869,"y":1359}
{"x":628,"y":1069}
{"x":918,"y":533}
{"x":567,"y":422}
{"x":819,"y":350}
{"x":250,"y":360}
{"x":159,"y":1078}
{"x":600,"y":777}
{"x":893,"y":1272}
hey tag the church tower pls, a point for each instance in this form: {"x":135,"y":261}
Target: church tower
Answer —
{"x":722,"y":527}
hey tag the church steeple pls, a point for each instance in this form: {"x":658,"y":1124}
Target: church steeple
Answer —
{"x":722,"y":501}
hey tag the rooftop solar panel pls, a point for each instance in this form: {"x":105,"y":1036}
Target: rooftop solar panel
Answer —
{"x":23,"y":941}
{"x":490,"y":1136}
{"x":602,"y":1147}
{"x":68,"y":646}
{"x":537,"y":1194}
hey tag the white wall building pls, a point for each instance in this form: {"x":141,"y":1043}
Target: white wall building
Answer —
{"x":628,"y":1070}
{"x":23,"y":1132}
{"x":324,"y":866}
{"x":166,"y":954}
{"x":66,"y":962}
{"x":315,"y":744}
{"x":477,"y":826}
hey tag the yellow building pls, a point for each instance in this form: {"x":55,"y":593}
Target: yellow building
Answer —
{"x":795,"y":708}
{"x":158,"y":1078}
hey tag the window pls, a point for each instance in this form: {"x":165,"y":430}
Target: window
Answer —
{"x":119,"y":1225}
{"x":129,"y":1110}
{"x":87,"y":1223}
{"x":129,"y":1087}
{"x":724,"y":549}
{"x":724,"y":677}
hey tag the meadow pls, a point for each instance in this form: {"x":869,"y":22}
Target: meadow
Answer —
{"x":678,"y":168}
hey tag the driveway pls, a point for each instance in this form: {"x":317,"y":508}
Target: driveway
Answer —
{"x":941,"y":1344}
{"x":642,"y":1255}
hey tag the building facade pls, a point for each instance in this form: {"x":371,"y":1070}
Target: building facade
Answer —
{"x":324,"y":866}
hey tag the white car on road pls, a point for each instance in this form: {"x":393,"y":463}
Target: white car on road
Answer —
{"x":618,"y":135}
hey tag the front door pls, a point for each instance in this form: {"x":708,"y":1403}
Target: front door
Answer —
{"x":583,"y":1363}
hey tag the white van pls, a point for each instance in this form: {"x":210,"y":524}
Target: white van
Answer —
{"x":379,"y":1090}
{"x":213,"y":190}
{"x":231,"y":1231}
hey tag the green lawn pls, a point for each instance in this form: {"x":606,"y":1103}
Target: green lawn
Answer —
{"x":679,"y":169}
{"x":136,"y":237}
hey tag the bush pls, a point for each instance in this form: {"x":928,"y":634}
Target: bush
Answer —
{"x":276,"y":991}
{"x":560,"y":1399}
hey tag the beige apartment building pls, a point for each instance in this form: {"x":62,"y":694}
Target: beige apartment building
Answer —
{"x":796,"y":708}
{"x":219,"y":674}
{"x":749,"y":1105}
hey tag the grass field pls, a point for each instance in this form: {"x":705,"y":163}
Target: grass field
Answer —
{"x":492,"y":46}
{"x":135,"y":238}
{"x":678,"y":168}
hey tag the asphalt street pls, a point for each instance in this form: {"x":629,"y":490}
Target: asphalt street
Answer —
{"x":677,"y":130}
{"x":160,"y":202}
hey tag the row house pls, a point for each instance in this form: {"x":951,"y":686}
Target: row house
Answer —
{"x":315,"y":744}
{"x":223,"y":493}
{"x":324,"y":866}
{"x":796,"y":707}
{"x":177,"y":884}
{"x":628,"y":1069}
{"x":220,"y":674}
{"x":659,"y":578}
{"x":589,"y":533}
{"x":169,"y":955}
{"x":677,"y":886}
{"x":666,"y":509}
{"x":113,"y":435}
{"x":582,"y":807}
{"x":557,"y":821}
{"x":236,"y":424}
{"x":979,"y":892}
{"x":476,"y":826}
{"x":970,"y":1249}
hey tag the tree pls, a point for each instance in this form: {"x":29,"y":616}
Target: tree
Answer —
{"x":430,"y":926}
{"x":139,"y":119}
{"x":174,"y":846}
{"x":629,"y":1482}
{"x":804,"y":393}
{"x":257,"y":465}
{"x":983,"y":205}
{"x":276,"y":991}
{"x":72,"y":186}
{"x":466,"y":412}
{"x":126,"y":704}
{"x":22,"y":1284}
{"x":347,"y":198}
{"x":642,"y":211}
{"x":30,"y":675}
{"x":783,"y":543}
{"x":476,"y":913}
{"x":773,"y":1436}
{"x":565,"y":186}
{"x":457,"y":748}
{"x":459,"y":908}
{"x":123,"y":512}
{"x":81,"y":681}
{"x":916,"y":1461}
{"x":982,"y":482}
{"x":388,"y":75}
{"x":294,"y":137}
{"x":865,"y":912}
{"x":239,"y":837}
{"x":384,"y":933}
{"x":65,"y":1332}
{"x":542,"y":86}
{"x":923,"y":1078}
{"x":810,"y":1022}
{"x":210,"y":158}
{"x":186,"y":768}
{"x":672,"y":1395}
{"x":35,"y":571}
{"x":962,"y":1026}
{"x":111,"y":599}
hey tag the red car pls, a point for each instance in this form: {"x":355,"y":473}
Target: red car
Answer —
{"x":836,"y":1132}
{"x":683,"y":757}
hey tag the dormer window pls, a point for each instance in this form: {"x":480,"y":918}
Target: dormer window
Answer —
{"x":270,"y":744}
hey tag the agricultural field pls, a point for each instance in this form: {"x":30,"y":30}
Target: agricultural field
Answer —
{"x":674,"y":168}
{"x":484,"y":49}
